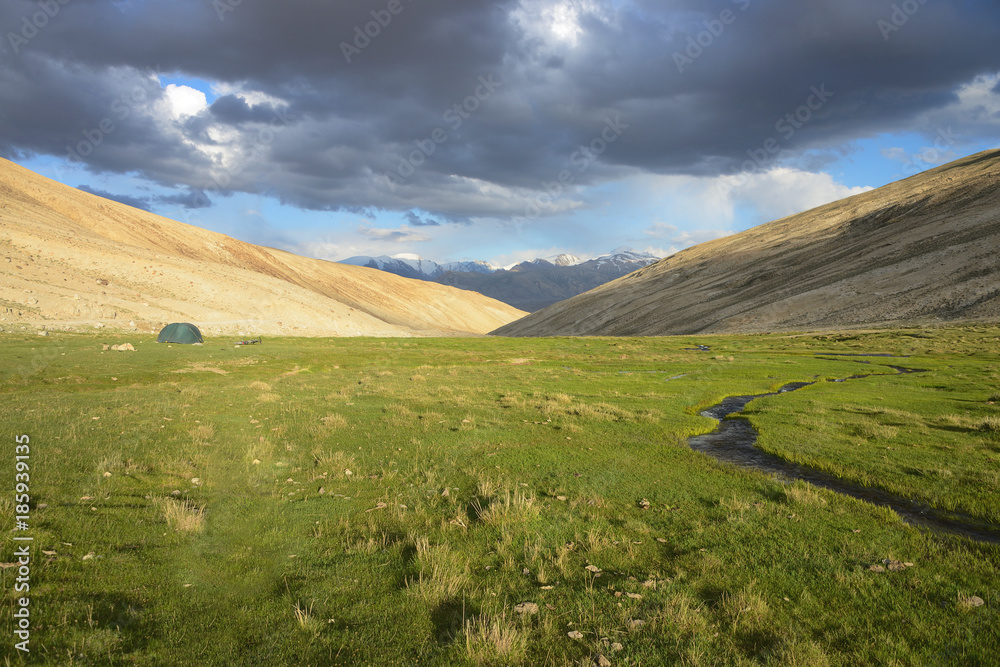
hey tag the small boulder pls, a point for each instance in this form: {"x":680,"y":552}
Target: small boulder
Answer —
{"x":527,"y":608}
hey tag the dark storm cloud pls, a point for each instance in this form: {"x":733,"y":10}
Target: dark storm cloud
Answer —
{"x":192,"y":199}
{"x":235,"y":110}
{"x":134,"y":202}
{"x":415,"y":220}
{"x":466,"y":108}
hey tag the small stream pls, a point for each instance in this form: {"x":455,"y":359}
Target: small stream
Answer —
{"x":734,"y":441}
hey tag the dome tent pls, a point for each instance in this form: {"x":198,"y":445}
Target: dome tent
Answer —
{"x":180,"y":332}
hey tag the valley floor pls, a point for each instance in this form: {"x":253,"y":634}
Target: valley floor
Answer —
{"x":492,"y":501}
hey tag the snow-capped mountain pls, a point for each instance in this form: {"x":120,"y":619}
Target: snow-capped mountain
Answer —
{"x":623,"y":259}
{"x":414,"y":266}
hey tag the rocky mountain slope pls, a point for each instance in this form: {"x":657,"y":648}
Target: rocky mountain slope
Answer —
{"x":920,"y":250}
{"x":69,"y":259}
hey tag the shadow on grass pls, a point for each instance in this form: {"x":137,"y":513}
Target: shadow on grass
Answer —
{"x":449,"y":619}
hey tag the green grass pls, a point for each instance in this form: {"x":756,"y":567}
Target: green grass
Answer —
{"x":391,"y":501}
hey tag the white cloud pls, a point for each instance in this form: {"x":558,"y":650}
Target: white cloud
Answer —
{"x":185,"y":101}
{"x":781,"y":191}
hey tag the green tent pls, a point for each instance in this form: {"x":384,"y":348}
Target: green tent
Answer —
{"x":180,"y":332}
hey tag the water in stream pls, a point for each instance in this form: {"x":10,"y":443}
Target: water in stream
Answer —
{"x":734,"y":441}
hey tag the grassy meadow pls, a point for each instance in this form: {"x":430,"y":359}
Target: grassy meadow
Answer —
{"x":490,"y":501}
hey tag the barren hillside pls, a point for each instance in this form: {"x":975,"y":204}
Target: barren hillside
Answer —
{"x":71,"y":259}
{"x":923,"y":249}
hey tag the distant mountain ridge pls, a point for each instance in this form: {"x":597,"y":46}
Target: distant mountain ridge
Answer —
{"x":411,"y":266}
{"x":540,"y":283}
{"x":529,"y":285}
{"x":921,"y":250}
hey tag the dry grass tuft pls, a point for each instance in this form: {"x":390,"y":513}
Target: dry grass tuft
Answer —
{"x":305,"y":619}
{"x":334,"y":421}
{"x":202,"y":434}
{"x":512,"y":507}
{"x":990,"y":423}
{"x":259,"y":386}
{"x":745,"y":609}
{"x":495,"y":641}
{"x":801,"y":493}
{"x":268,"y":398}
{"x":443,"y":573}
{"x":181,"y":515}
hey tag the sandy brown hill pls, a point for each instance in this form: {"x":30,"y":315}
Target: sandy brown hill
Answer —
{"x":71,"y":259}
{"x":923,"y":249}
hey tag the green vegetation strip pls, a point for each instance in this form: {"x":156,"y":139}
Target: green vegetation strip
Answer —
{"x":498,"y":501}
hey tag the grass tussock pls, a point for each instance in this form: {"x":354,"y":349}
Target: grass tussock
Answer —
{"x":181,"y":516}
{"x":505,"y":508}
{"x":801,"y":493}
{"x":305,"y":619}
{"x":443,"y":573}
{"x":989,"y":424}
{"x":496,"y":640}
{"x":333,"y":421}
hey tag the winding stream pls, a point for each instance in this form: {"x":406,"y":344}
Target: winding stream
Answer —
{"x":734,"y":441}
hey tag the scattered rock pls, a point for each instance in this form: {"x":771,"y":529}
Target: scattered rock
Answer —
{"x":124,"y":347}
{"x":175,"y":492}
{"x":636,"y":623}
{"x":877,"y":568}
{"x":89,"y":556}
{"x":525,"y":571}
{"x":322,"y":490}
{"x":972,"y":602}
{"x":43,"y":333}
{"x":634,"y":596}
{"x":662,"y":540}
{"x":601,"y":661}
{"x":256,"y":462}
{"x":575,"y":634}
{"x":616,"y":647}
{"x":649,"y":583}
{"x":547,"y":588}
{"x":562,"y":498}
{"x":529,"y":608}
{"x":643,"y":504}
{"x":445,"y":493}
